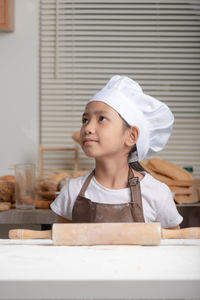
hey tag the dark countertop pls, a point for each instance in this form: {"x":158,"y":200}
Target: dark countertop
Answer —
{"x":28,"y":216}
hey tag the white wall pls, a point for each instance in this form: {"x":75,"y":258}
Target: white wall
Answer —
{"x":19,"y":88}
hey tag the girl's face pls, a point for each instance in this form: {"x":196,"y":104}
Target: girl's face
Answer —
{"x":103,"y":132}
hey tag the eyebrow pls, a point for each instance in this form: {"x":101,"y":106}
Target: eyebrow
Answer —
{"x":97,"y":112}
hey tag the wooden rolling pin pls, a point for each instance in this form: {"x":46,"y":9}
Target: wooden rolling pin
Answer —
{"x":84,"y":234}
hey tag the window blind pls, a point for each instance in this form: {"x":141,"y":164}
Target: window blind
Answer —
{"x":83,"y":43}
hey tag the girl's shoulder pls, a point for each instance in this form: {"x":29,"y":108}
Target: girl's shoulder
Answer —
{"x":152,"y":183}
{"x":156,"y":193}
{"x":81,"y":178}
{"x":72,"y":188}
{"x":76,"y":183}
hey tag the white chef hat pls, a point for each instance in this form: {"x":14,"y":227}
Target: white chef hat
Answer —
{"x":153,"y":118}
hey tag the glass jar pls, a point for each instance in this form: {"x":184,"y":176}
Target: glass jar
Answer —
{"x":25,"y":186}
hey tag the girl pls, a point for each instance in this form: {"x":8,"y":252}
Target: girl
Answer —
{"x":121,"y":126}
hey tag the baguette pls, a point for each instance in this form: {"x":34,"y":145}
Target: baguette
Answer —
{"x":183,"y":199}
{"x":169,"y":169}
{"x":156,"y":175}
{"x":57,"y":178}
{"x":183,"y":183}
{"x":181,"y":190}
{"x":160,"y":177}
{"x":79,"y":173}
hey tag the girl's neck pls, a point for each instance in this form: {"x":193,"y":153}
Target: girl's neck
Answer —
{"x":113,"y":175}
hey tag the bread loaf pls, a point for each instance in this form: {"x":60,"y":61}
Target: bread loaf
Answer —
{"x":13,"y":198}
{"x":76,"y":137}
{"x":6,"y":190}
{"x":57,"y":178}
{"x":178,"y":179}
{"x":47,"y":185}
{"x":158,"y":176}
{"x":46,"y":195}
{"x":178,"y":190}
{"x":169,"y":169}
{"x":5,"y":206}
{"x":41,"y":203}
{"x":8,"y":178}
{"x":183,"y":198}
{"x":79,"y":173}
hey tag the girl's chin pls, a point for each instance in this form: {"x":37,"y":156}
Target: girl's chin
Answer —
{"x":89,"y":153}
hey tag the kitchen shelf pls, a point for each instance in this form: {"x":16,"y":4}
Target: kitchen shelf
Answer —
{"x":188,"y":204}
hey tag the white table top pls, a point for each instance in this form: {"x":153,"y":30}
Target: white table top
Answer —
{"x":35,"y":269}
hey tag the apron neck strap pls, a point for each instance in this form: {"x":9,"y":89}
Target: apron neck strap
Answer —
{"x":132,"y":181}
{"x":136,"y":197}
{"x":85,"y":185}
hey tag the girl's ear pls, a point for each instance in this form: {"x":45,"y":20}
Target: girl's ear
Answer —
{"x":133,"y":135}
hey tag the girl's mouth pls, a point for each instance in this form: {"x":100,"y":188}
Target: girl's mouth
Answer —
{"x":86,"y":141}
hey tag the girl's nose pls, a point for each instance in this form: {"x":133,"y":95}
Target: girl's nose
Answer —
{"x":89,"y":129}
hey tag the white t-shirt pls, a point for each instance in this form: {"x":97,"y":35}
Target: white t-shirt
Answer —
{"x":157,"y":200}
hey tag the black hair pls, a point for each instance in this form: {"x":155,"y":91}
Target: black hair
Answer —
{"x":135,"y":165}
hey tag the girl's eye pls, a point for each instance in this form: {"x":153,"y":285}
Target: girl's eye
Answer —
{"x":101,"y":118}
{"x":84,"y":120}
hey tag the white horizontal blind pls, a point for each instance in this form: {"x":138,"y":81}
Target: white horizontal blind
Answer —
{"x":84,"y":43}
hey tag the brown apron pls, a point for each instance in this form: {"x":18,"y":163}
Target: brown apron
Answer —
{"x":86,"y":211}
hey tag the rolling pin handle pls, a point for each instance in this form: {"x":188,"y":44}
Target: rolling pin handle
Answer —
{"x":183,"y":233}
{"x":23,"y":234}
